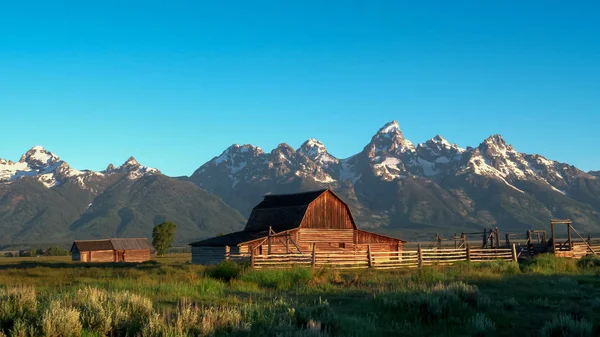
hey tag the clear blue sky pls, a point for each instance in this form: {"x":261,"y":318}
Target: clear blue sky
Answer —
{"x":174,"y":83}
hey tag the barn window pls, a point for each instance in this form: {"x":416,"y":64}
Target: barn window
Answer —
{"x":342,"y":245}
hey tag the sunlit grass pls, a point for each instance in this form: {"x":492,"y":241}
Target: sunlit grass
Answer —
{"x":171,"y":297}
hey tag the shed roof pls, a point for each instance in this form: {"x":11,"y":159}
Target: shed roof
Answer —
{"x":112,"y":244}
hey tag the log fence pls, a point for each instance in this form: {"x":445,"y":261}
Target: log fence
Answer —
{"x":375,"y":259}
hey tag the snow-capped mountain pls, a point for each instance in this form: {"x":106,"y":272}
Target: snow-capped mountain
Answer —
{"x":393,"y":182}
{"x":43,"y":199}
{"x":50,"y":170}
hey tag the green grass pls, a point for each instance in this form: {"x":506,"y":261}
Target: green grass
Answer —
{"x":171,"y":297}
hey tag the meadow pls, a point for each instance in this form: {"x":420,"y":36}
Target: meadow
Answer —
{"x":168,"y":296}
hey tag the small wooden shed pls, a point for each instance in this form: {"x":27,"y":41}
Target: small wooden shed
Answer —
{"x":295,"y":223}
{"x":111,"y":250}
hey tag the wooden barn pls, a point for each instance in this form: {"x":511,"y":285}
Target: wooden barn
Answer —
{"x":111,"y":250}
{"x":295,"y":223}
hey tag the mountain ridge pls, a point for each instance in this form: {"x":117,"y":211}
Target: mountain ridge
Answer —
{"x":391,"y":184}
{"x":423,"y":185}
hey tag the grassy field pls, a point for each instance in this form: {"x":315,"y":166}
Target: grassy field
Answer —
{"x":171,"y":297}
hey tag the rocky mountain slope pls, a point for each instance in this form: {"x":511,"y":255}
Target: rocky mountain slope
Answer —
{"x":392,"y":185}
{"x":395,"y":185}
{"x":43,"y":199}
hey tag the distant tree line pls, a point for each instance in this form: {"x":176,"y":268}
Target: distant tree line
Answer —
{"x":32,"y":252}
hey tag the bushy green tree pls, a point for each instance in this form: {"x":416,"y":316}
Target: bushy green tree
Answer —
{"x":57,"y":251}
{"x":163,"y":236}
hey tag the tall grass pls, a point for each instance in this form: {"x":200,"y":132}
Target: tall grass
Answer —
{"x":548,"y":296}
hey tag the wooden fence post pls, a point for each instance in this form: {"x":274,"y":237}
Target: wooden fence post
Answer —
{"x":420,"y":255}
{"x":369,"y":256}
{"x":314,"y":256}
{"x":468,"y":252}
{"x":514,"y":252}
{"x":252,"y":258}
{"x":227,"y":252}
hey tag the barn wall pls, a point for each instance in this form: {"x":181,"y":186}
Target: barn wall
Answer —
{"x":208,"y":255}
{"x":102,"y":256}
{"x":327,"y":211}
{"x":377,"y":242}
{"x":137,"y":255}
{"x":75,"y":255}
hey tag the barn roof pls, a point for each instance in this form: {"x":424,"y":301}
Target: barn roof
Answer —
{"x":112,"y":244}
{"x":281,"y":211}
{"x":289,"y":200}
{"x":130,"y":244}
{"x":231,"y":239}
{"x":92,"y":245}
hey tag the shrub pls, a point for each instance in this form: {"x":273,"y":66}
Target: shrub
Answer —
{"x":282,"y":279}
{"x":215,"y":319}
{"x":94,"y":312}
{"x":22,"y":329}
{"x":131,"y":312}
{"x":225,"y":270}
{"x":510,"y":303}
{"x":589,"y":262}
{"x":209,"y":286}
{"x":58,"y":320}
{"x":565,"y":325}
{"x":548,"y":264}
{"x":433,"y":304}
{"x":481,"y":325}
{"x":57,"y":251}
{"x":17,"y":303}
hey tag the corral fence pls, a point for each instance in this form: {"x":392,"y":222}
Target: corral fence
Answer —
{"x":375,"y":259}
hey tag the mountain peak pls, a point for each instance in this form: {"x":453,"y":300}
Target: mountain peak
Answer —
{"x":312,"y":146}
{"x":390,"y":128}
{"x":38,"y":157}
{"x":131,"y":161}
{"x":389,"y":139}
{"x":495,"y":139}
{"x":316,"y":151}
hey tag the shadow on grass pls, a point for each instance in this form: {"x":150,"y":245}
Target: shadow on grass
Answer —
{"x":147,"y":265}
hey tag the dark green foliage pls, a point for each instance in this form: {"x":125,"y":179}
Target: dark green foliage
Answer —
{"x":163,"y":236}
{"x":225,"y":270}
{"x":549,"y":264}
{"x":123,"y":208}
{"x":279,"y":279}
{"x":57,"y":251}
{"x":589,"y":262}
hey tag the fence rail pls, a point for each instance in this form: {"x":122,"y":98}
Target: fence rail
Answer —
{"x":376,"y":259}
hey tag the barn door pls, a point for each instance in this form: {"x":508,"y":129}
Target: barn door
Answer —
{"x":120,"y":256}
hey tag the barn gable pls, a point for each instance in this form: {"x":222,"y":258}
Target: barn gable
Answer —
{"x":328,"y":211}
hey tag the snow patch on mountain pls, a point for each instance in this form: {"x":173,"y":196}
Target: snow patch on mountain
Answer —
{"x":133,"y":169}
{"x":387,"y":168}
{"x":316,"y":151}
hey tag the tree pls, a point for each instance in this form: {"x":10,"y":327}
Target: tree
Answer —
{"x":163,"y":236}
{"x":32,"y":252}
{"x":57,"y":251}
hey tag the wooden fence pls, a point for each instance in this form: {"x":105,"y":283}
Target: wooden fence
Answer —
{"x":376,"y":259}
